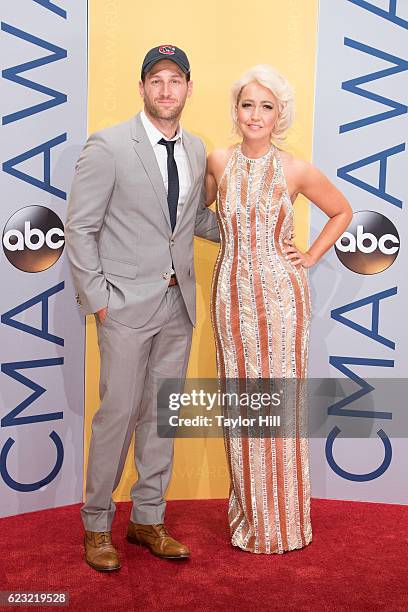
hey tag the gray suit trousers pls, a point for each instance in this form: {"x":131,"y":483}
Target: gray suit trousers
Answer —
{"x":132,"y":359}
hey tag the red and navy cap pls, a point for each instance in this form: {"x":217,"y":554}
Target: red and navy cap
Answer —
{"x":169,"y":52}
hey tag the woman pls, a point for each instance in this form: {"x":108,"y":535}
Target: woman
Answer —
{"x":261,"y":308}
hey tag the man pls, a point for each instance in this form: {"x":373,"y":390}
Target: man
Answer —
{"x":136,"y":201}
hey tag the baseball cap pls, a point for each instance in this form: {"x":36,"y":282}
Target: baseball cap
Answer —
{"x":169,"y":52}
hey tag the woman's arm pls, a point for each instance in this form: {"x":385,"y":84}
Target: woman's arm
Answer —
{"x":210,"y":182}
{"x":317,"y":188}
{"x":216,"y":163}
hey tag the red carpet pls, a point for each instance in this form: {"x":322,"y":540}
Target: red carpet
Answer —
{"x":358,"y":560}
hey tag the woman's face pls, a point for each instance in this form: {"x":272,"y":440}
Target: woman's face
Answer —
{"x":257,"y":112}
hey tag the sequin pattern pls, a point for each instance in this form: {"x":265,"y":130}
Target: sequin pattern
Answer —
{"x":260,"y":315}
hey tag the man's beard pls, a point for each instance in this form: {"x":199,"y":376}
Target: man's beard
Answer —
{"x":162,"y":113}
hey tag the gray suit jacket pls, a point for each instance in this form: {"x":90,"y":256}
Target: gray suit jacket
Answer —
{"x":118,"y":233}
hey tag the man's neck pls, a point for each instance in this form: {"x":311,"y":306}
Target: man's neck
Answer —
{"x":168,"y":127}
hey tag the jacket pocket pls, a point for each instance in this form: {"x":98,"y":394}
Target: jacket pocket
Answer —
{"x":119,"y":268}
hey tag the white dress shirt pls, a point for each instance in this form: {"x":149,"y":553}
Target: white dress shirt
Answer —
{"x":180,"y":156}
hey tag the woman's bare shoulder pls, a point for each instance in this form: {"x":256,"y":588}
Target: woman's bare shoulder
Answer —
{"x":294,"y":165}
{"x":218,"y":159}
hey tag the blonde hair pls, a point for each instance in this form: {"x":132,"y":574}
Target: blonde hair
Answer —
{"x":268,"y":77}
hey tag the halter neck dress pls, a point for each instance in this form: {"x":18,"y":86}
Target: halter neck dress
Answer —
{"x":260,"y":314}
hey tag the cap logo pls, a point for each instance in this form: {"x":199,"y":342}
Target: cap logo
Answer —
{"x":167,"y":50}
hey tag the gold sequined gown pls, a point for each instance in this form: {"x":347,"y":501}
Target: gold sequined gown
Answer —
{"x":260,"y":315}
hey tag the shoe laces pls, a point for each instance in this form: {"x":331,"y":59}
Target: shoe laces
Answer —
{"x":104,"y":537}
{"x":162,"y":530}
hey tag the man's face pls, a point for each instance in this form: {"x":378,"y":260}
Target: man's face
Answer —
{"x":165,"y":91}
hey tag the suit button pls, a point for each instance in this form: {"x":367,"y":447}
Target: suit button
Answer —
{"x":172,"y":242}
{"x":166,"y":275}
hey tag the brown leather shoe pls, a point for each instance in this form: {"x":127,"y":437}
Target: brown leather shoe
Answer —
{"x":99,"y":551}
{"x":157,"y":539}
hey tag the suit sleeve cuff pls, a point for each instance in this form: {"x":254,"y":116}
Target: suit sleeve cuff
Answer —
{"x":90,"y":305}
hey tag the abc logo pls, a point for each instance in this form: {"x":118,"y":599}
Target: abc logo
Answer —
{"x":33,"y":239}
{"x":370,"y":244}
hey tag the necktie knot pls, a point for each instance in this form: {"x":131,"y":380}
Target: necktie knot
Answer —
{"x":169,"y":144}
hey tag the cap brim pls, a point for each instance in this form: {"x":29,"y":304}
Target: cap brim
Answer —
{"x":150,"y":65}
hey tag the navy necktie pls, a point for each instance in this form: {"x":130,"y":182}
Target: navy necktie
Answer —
{"x":173,"y":181}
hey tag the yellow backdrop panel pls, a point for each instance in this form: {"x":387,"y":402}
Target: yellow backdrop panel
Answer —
{"x":222,"y":39}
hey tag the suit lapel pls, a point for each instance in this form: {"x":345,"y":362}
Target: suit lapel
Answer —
{"x":144,"y":150}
